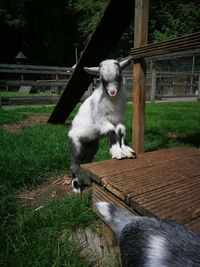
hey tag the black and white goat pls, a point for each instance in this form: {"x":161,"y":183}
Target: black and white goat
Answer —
{"x":102,"y":114}
{"x":150,"y":242}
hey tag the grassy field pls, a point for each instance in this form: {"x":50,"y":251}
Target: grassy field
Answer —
{"x":35,"y":153}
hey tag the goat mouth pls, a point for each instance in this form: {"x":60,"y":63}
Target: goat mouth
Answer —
{"x":112,"y":92}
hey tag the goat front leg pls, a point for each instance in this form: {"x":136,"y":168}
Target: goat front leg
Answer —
{"x":121,"y":133}
{"x":107,"y":129}
{"x":75,"y":163}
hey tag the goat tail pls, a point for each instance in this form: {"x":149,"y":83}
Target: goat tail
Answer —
{"x":116,"y":217}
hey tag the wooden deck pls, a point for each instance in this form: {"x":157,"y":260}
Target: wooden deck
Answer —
{"x":164,"y":184}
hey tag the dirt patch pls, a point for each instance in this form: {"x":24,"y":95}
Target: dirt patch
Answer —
{"x":35,"y":197}
{"x":175,"y":135}
{"x":30,"y":121}
{"x":92,"y":243}
{"x":56,"y":187}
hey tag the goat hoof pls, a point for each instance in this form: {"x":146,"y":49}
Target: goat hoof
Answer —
{"x":77,"y":191}
{"x":133,"y":155}
{"x":118,"y":157}
{"x":75,"y":186}
{"x":129,"y":152}
{"x":117,"y":152}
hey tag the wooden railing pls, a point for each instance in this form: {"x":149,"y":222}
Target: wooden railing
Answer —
{"x":34,"y":69}
{"x":143,"y":50}
{"x":184,"y":43}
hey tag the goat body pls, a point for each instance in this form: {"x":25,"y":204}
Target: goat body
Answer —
{"x":102,"y":114}
{"x":150,"y":242}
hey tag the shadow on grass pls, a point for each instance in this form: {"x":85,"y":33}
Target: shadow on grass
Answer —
{"x":159,"y":140}
{"x":191,"y":139}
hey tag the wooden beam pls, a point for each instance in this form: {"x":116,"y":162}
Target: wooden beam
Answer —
{"x":139,"y":69}
{"x":112,"y":25}
{"x":184,"y":43}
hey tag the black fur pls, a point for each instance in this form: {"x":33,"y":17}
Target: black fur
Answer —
{"x":112,"y":138}
{"x":150,"y":242}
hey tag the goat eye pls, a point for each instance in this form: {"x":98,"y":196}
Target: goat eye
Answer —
{"x":105,"y":83}
{"x":118,"y":78}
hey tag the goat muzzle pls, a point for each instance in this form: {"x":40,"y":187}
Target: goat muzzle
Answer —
{"x":112,"y":92}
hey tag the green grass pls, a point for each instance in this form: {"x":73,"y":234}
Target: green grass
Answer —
{"x":29,"y":157}
{"x":180,"y":118}
{"x":43,"y":237}
{"x":34,"y":154}
{"x":17,"y":114}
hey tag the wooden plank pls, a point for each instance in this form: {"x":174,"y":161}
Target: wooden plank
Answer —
{"x":113,"y":23}
{"x":34,"y":71}
{"x":162,"y":184}
{"x":139,"y":69}
{"x":33,"y":83}
{"x":99,"y":170}
{"x":100,"y":194}
{"x":11,"y":67}
{"x":194,"y":225}
{"x":184,"y":43}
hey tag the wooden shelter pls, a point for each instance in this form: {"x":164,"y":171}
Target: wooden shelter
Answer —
{"x":162,"y":183}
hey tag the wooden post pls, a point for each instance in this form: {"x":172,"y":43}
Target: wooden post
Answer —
{"x":139,"y":70}
{"x":153,"y":85}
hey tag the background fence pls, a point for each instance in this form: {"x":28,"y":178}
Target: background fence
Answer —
{"x":174,"y":75}
{"x":25,"y":84}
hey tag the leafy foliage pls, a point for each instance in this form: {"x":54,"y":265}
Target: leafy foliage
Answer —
{"x":170,"y":20}
{"x":89,"y":13}
{"x":48,"y":31}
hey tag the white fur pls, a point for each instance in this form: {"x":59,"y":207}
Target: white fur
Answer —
{"x":127,"y":150}
{"x":102,"y":113}
{"x":121,"y":127}
{"x":75,"y":190}
{"x":157,"y":253}
{"x":117,"y":152}
{"x":96,"y":117}
{"x":151,"y":242}
{"x":103,"y":208}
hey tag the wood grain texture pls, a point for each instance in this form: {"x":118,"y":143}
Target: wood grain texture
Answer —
{"x":139,"y":73}
{"x":184,"y":43}
{"x":164,"y":184}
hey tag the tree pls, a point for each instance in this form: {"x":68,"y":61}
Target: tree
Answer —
{"x":47,"y":31}
{"x":44,"y":30}
{"x":89,"y":13}
{"x":169,"y":19}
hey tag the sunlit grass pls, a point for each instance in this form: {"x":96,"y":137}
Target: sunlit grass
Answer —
{"x":33,"y":154}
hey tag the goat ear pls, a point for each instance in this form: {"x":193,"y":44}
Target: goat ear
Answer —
{"x":124,"y":63}
{"x":93,"y":70}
